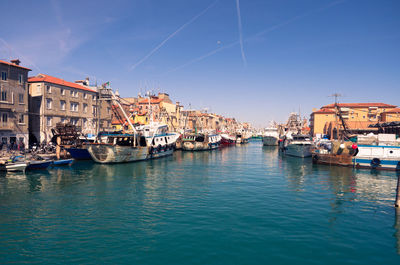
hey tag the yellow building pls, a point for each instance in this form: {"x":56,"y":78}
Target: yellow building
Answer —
{"x":357,"y":115}
{"x":391,"y":115}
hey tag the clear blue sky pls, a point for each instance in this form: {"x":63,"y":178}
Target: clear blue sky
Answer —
{"x":280,"y":56}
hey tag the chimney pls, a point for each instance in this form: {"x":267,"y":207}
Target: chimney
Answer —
{"x":16,"y":61}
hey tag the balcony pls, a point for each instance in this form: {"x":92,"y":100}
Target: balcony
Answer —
{"x":6,"y":126}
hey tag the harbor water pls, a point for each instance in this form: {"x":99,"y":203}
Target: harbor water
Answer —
{"x":239,"y":205}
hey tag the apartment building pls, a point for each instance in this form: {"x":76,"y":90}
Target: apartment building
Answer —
{"x":358,"y":116}
{"x":13,"y":102}
{"x":54,"y":100}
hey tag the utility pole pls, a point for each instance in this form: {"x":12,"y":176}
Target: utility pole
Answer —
{"x":336,"y":95}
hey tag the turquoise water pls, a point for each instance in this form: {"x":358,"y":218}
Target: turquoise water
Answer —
{"x":239,"y":205}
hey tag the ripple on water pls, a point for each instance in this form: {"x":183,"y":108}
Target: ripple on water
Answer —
{"x":239,"y":205}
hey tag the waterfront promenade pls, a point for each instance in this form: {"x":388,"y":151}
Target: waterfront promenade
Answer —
{"x":240,"y":205}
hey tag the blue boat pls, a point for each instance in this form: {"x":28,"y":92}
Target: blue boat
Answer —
{"x":35,"y":164}
{"x":79,"y":153}
{"x":63,"y":162}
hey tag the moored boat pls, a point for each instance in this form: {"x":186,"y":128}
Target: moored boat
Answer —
{"x":37,"y":164}
{"x":14,"y":164}
{"x":149,"y":142}
{"x":298,"y":145}
{"x":385,"y":157}
{"x":200,"y":142}
{"x":227,"y":140}
{"x":62,"y":162}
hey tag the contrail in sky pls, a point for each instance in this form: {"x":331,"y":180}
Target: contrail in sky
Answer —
{"x":240,"y":32}
{"x":18,"y":54}
{"x":172,"y":35}
{"x":275,"y":27}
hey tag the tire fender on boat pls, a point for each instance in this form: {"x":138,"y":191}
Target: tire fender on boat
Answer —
{"x":151,"y":150}
{"x":355,"y":152}
{"x":375,"y":162}
{"x":159,"y":148}
{"x":315,"y":158}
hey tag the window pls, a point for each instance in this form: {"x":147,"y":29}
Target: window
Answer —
{"x":4,"y":140}
{"x":63,"y":91}
{"x":84,"y":123}
{"x":21,"y":79}
{"x":48,"y":89}
{"x":108,"y":110}
{"x":21,"y":118}
{"x":84,"y":95}
{"x":49,"y":121}
{"x":3,"y":95}
{"x":74,"y":94}
{"x":84,"y":107}
{"x":21,"y":98}
{"x":49,"y":102}
{"x":74,"y":121}
{"x":4,"y":76}
{"x":94,"y":110}
{"x":62,"y":104}
{"x":74,"y":106}
{"x":63,"y":120}
{"x":93,"y":97}
{"x":4,"y":117}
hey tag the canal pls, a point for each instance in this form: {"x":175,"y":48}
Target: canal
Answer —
{"x":239,"y":205}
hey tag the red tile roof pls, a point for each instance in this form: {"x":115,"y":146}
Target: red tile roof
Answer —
{"x":324,"y":111}
{"x":396,"y":110}
{"x":57,"y":81}
{"x":8,"y":63}
{"x":152,"y":101}
{"x":360,"y":105}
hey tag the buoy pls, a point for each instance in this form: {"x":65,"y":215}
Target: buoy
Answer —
{"x":354,"y":146}
{"x":342,"y":146}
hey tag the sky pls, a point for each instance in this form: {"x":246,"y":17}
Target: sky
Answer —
{"x":255,"y":60}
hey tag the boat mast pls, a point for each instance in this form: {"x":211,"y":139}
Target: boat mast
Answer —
{"x":116,"y":99}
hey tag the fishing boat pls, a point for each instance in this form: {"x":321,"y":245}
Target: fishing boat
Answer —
{"x":270,"y":136}
{"x":227,"y":140}
{"x":385,"y":157}
{"x":149,"y":142}
{"x":200,"y":142}
{"x":298,"y":145}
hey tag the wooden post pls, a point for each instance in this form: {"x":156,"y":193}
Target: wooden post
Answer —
{"x":397,"y":228}
{"x":58,"y":147}
{"x":397,"y":202}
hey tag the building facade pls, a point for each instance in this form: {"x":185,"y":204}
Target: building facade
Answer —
{"x":54,"y":100}
{"x":358,"y":116}
{"x":13,"y":103}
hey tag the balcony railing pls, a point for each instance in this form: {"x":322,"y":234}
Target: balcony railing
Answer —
{"x":6,"y":126}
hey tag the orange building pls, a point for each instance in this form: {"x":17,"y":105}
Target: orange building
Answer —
{"x":358,"y":116}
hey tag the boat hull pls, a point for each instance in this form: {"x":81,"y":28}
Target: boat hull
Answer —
{"x":298,"y":150}
{"x":108,"y":154}
{"x":199,"y":146}
{"x":270,"y":140}
{"x":62,"y":162}
{"x":14,"y":167}
{"x":344,"y":160}
{"x":79,"y":153}
{"x":33,"y":165}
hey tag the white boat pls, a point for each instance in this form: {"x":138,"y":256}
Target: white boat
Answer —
{"x":385,"y":157}
{"x":298,"y":145}
{"x":14,"y":164}
{"x":270,"y":136}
